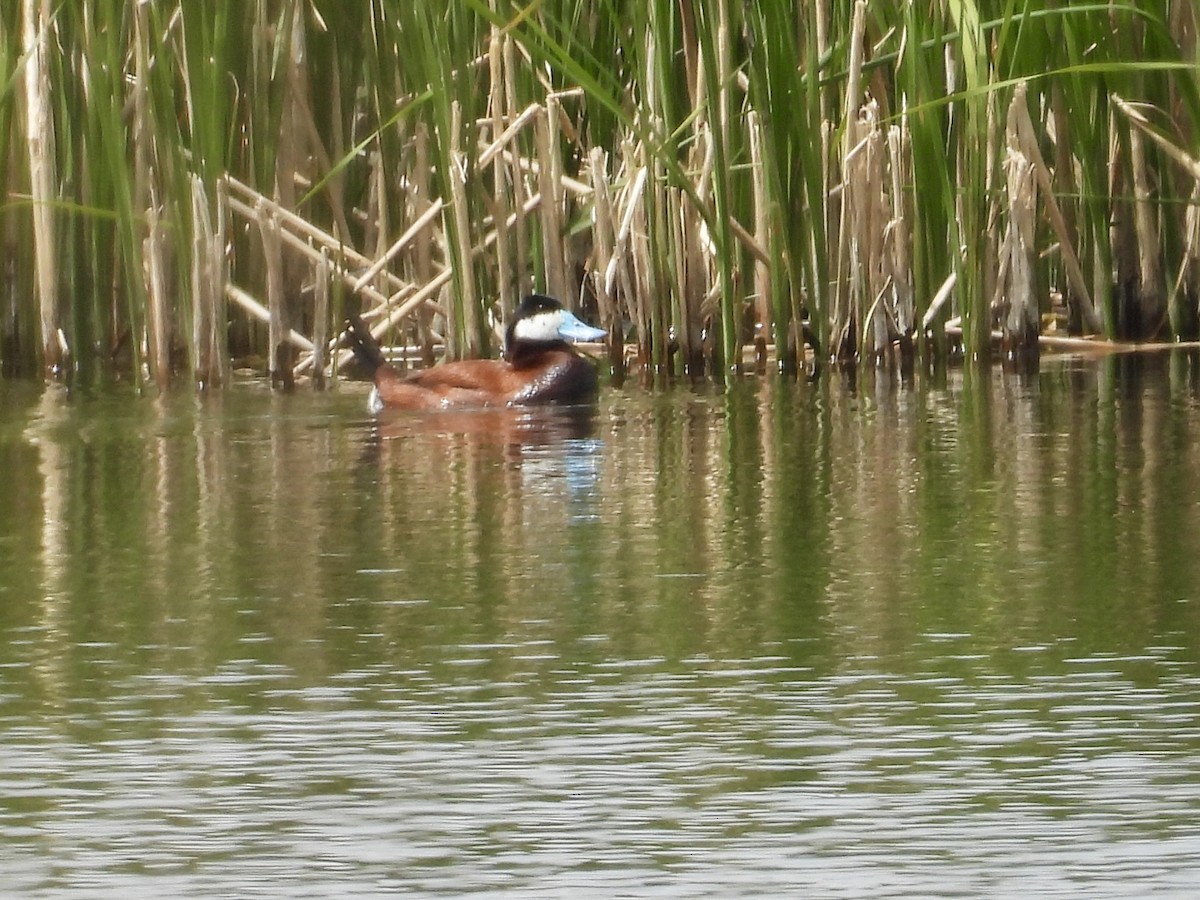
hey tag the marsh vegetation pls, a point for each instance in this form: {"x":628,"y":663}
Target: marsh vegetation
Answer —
{"x":719,"y":184}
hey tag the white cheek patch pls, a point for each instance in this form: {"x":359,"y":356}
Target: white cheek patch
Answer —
{"x":542,"y":328}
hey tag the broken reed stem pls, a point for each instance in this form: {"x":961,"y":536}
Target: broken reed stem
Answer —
{"x":421,"y":296}
{"x":1029,"y":146}
{"x":1020,"y":323}
{"x":297,"y":243}
{"x":1181,"y":156}
{"x":248,"y":201}
{"x":532,"y":167}
{"x":246,"y":301}
{"x":416,"y":228}
{"x":503,"y":136}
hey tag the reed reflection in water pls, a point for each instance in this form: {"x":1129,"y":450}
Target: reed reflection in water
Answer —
{"x":760,"y":640}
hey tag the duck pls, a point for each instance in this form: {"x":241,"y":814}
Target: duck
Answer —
{"x":539,"y":366}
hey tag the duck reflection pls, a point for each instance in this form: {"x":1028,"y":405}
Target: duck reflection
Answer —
{"x":499,"y":427}
{"x":484,"y":496}
{"x":436,"y":448}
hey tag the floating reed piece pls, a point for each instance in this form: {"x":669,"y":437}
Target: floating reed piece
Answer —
{"x":701,"y":176}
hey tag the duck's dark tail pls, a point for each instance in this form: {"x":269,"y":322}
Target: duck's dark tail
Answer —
{"x":366,"y":348}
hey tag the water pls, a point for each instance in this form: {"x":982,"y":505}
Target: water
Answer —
{"x":775,"y":640}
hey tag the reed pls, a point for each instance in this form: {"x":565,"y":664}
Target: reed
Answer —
{"x":879,"y":182}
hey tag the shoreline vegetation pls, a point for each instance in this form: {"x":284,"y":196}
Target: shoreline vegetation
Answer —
{"x":721,"y":185}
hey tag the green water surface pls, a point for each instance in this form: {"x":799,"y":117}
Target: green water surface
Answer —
{"x":766,"y":639}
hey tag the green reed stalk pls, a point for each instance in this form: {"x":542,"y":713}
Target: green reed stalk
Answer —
{"x":712,"y":32}
{"x":442,"y":59}
{"x":109,"y":176}
{"x":40,"y":134}
{"x":10,"y":70}
{"x":972,"y":130}
{"x":789,"y":100}
{"x":920,"y":76}
{"x":319,"y":105}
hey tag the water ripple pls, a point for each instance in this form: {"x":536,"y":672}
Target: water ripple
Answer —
{"x":749,"y":777}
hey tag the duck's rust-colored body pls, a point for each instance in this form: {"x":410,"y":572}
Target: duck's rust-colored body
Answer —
{"x":539,"y":367}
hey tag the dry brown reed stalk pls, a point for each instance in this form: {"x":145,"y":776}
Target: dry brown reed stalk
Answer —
{"x":521,"y":191}
{"x":378,"y":219}
{"x":154,"y":259}
{"x":550,"y":187}
{"x":393,"y":310}
{"x":619,"y":278}
{"x":208,"y":276}
{"x":272,"y":248}
{"x":324,"y":275}
{"x":39,"y":137}
{"x":866,"y":214}
{"x":1188,"y":281}
{"x":1152,"y":297}
{"x":675,"y":219}
{"x":1135,"y":117}
{"x":301,"y":235}
{"x":501,"y":204}
{"x":1028,"y":142}
{"x":872,"y":215}
{"x":1016,"y":284}
{"x":256,"y":310}
{"x":633,"y":244}
{"x":468,"y":293}
{"x":604,"y":260}
{"x":847,"y":308}
{"x":1064,"y":180}
{"x":898,"y":257}
{"x":762,"y":226}
{"x":420,"y":225}
{"x":146,"y":198}
{"x":422,"y":255}
{"x":689,"y":282}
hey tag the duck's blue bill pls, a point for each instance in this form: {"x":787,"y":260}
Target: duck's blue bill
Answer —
{"x":574,"y":329}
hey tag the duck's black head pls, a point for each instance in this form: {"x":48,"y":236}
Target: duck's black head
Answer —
{"x":540,"y":322}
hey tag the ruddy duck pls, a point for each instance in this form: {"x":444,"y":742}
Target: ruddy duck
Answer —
{"x":539,"y":366}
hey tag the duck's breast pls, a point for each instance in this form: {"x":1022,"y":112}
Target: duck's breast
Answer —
{"x":557,"y":377}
